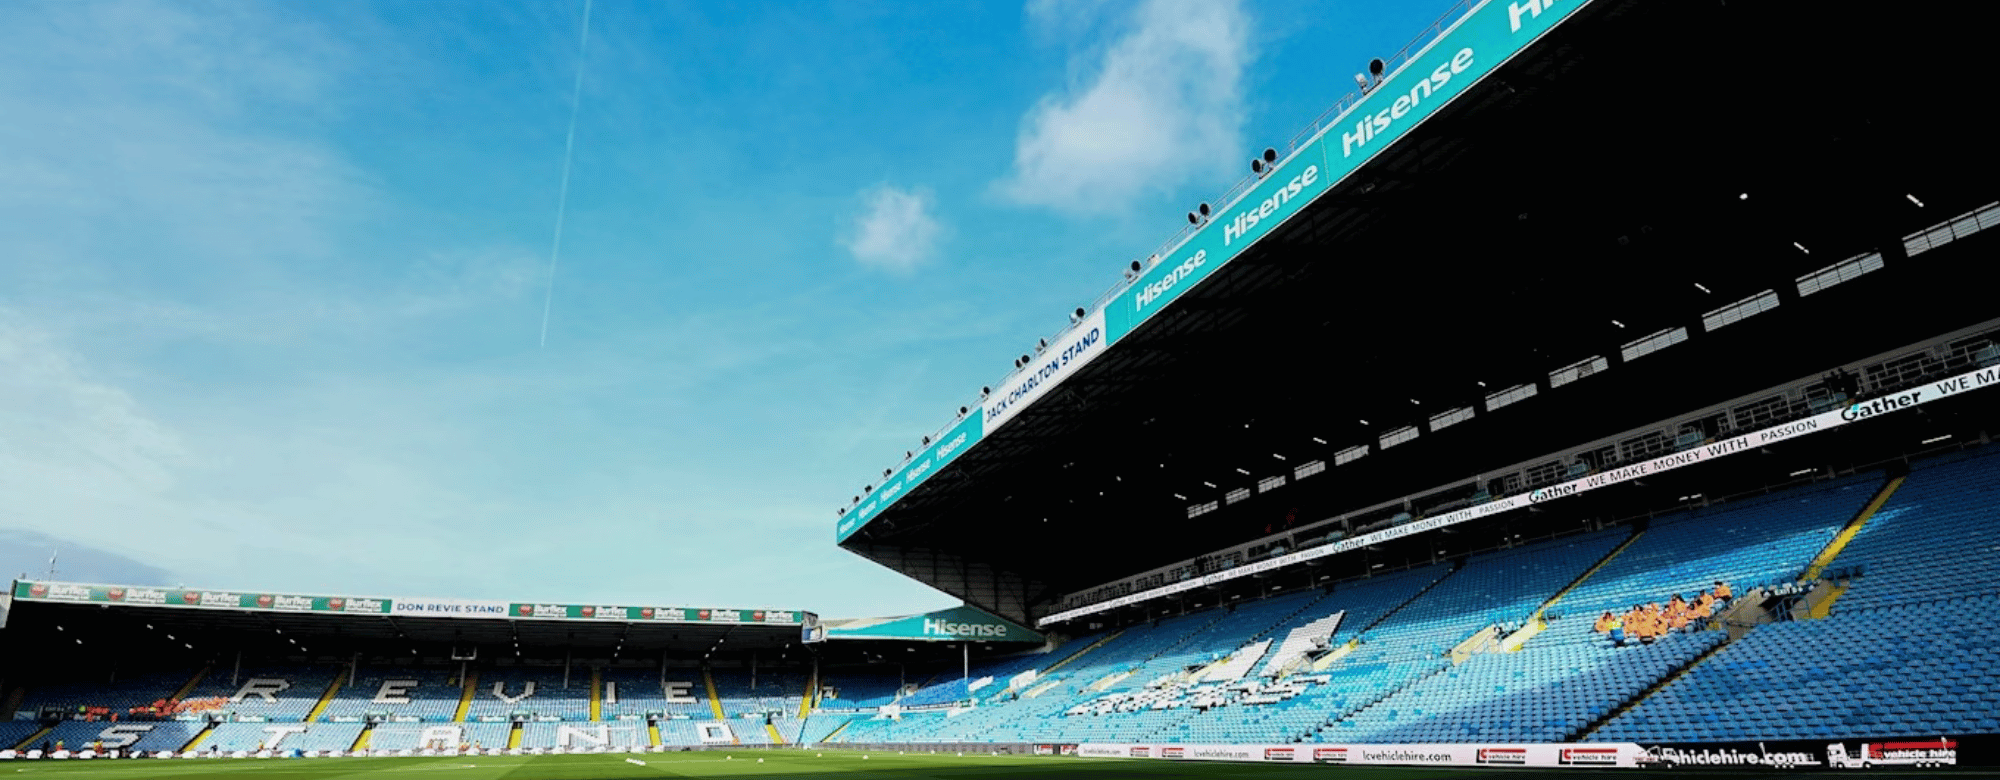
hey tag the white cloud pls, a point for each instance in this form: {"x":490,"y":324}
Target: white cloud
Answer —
{"x":1160,"y":106}
{"x":896,"y":231}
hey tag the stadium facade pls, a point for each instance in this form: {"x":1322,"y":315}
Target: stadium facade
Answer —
{"x":1609,"y":383}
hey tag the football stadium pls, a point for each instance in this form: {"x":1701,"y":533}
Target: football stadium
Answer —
{"x":1601,"y":387}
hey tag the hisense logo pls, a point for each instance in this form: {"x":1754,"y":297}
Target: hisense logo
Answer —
{"x":1249,"y":218}
{"x":1372,"y":125}
{"x":935,"y":627}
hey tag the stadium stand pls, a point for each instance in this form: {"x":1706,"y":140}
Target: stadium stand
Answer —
{"x":283,"y":694}
{"x":119,"y":696}
{"x":1907,"y":650}
{"x":429,"y":694}
{"x":584,"y":735}
{"x":283,"y":736}
{"x":499,"y":693}
{"x":410,"y":736}
{"x":640,"y":692}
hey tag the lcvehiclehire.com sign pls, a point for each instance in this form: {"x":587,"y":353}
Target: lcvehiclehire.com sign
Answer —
{"x":1536,"y":755}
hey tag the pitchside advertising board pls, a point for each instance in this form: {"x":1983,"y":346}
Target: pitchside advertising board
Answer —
{"x":137,"y":595}
{"x":1586,"y":756}
{"x":1480,"y":41}
{"x":1890,"y":753}
{"x":1908,"y":399}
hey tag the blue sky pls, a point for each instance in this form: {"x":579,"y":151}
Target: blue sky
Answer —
{"x":273,"y":275}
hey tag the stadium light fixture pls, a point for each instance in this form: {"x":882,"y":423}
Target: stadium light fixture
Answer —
{"x":1801,"y":247}
{"x":1913,"y":199}
{"x":1363,"y":422}
{"x":927,"y":441}
{"x":985,"y":391}
{"x":1621,"y":326}
{"x":961,"y":412}
{"x":1705,"y":290}
{"x":1199,"y":214}
{"x":1276,"y":455}
{"x":1179,"y":496}
{"x":1244,"y":472}
{"x":1935,"y":439}
{"x":1361,"y":82}
{"x":886,"y":473}
{"x":1041,"y":344}
{"x":1262,"y":163}
{"x":1318,"y":439}
{"x":1743,"y":196}
{"x":1077,"y":316}
{"x":1377,"y":68}
{"x":1205,"y":482}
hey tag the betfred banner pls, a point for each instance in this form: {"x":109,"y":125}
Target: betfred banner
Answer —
{"x":1749,"y":442}
{"x":1554,"y":755}
{"x":950,"y":625}
{"x":145,"y":596}
{"x":601,"y":612}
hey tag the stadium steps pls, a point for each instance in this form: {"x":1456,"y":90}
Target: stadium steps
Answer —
{"x":199,"y":737}
{"x":339,"y":679}
{"x":1080,"y":653}
{"x":596,"y":695}
{"x":714,"y":701}
{"x":1665,"y":679}
{"x":471,"y":683}
{"x":199,"y":675}
{"x":361,"y":739}
{"x":1847,"y":533}
{"x":1584,"y":577}
{"x":811,"y":697}
{"x":1820,"y":604}
{"x":44,"y":733}
{"x":652,"y":733}
{"x":11,"y":702}
{"x":830,"y":736}
{"x":1370,"y":704}
{"x":776,"y":738}
{"x":514,"y":737}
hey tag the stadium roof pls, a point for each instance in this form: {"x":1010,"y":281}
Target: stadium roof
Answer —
{"x":1602,"y":187}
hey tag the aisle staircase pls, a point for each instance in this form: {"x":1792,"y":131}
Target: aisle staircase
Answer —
{"x":361,"y":739}
{"x":34,"y":740}
{"x":465,"y":696}
{"x":1848,"y":532}
{"x":1664,"y":680}
{"x":199,"y":737}
{"x":339,"y":678}
{"x":596,"y":696}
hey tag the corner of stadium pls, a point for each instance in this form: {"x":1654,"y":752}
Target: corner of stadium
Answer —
{"x":1608,"y":386}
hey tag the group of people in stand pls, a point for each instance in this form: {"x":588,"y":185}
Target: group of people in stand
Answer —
{"x":1644,"y":623}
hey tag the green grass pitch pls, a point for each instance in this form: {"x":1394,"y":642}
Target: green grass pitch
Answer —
{"x":776,"y":765}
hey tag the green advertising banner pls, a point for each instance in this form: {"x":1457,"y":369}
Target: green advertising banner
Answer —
{"x":774,"y":617}
{"x":147,"y":596}
{"x":143,"y":596}
{"x":950,"y":625}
